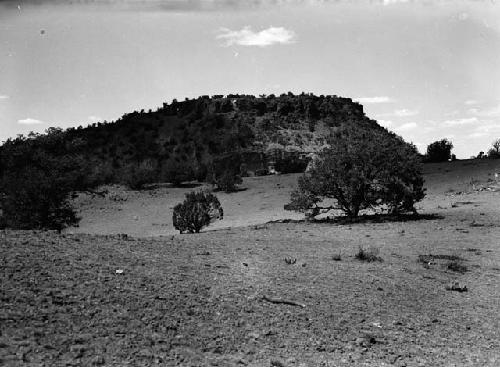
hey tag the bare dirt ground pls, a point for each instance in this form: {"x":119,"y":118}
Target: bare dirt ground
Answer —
{"x":204,"y":300}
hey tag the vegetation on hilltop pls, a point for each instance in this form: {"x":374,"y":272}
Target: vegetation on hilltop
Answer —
{"x":194,"y":133}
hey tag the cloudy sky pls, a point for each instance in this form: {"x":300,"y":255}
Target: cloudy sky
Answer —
{"x":425,"y":69}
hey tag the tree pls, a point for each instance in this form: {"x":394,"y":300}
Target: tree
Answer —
{"x":439,"y":151}
{"x":224,"y":172}
{"x":360,"y":170}
{"x":176,"y":172}
{"x":227,"y":181}
{"x":197,"y":211}
{"x":494,"y":152}
{"x":135,"y":176}
{"x":36,"y":180}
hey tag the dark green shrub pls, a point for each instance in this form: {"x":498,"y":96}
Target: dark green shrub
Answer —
{"x":369,"y":255}
{"x":457,"y":266}
{"x":228,"y":182}
{"x":35,"y":184}
{"x":176,"y":172}
{"x":291,"y":164}
{"x":439,"y":151}
{"x":135,"y":176}
{"x":224,"y":172}
{"x":360,"y":170}
{"x":262,"y":172}
{"x":197,"y":211}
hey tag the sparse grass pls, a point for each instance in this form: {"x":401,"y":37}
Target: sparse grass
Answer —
{"x":337,"y":257}
{"x":369,"y":255}
{"x":457,"y":266}
{"x":277,"y":363}
{"x":430,"y":258}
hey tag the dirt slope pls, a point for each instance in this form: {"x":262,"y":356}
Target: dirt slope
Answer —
{"x":149,"y":212}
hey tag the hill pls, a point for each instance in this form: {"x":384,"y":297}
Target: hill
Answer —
{"x":180,"y":141}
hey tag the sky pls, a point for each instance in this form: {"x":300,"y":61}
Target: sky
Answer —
{"x":426,"y":69}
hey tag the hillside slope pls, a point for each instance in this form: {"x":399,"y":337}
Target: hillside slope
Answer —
{"x":189,"y":136}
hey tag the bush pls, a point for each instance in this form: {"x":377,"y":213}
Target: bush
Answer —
{"x":494,"y":152}
{"x":176,"y":172}
{"x":291,"y":165}
{"x":197,"y":211}
{"x":135,"y":176}
{"x":361,"y":170}
{"x":228,"y":182}
{"x":439,"y":151}
{"x":35,"y":185}
{"x":224,"y":172}
{"x":457,"y":266}
{"x":370,"y":255}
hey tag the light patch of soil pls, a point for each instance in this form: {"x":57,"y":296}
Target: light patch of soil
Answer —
{"x":198,"y":300}
{"x":149,"y":212}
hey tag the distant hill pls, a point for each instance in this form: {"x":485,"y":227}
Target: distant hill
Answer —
{"x":186,"y":138}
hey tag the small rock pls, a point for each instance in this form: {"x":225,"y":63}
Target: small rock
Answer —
{"x":77,"y":350}
{"x":98,"y":361}
{"x":456,"y":286}
{"x":254,"y":335}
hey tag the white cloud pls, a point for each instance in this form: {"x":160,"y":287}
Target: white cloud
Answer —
{"x":399,"y":113}
{"x":381,"y":99}
{"x":404,"y":112}
{"x":389,"y":2}
{"x":407,"y":126}
{"x":471,"y":102}
{"x":30,"y":121}
{"x":459,"y":122}
{"x":3,"y":96}
{"x":94,"y":119}
{"x":489,"y":112}
{"x":452,"y":113}
{"x":247,"y":37}
{"x":477,"y":134}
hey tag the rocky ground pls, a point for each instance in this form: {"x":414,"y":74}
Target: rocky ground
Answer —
{"x":276,"y":294}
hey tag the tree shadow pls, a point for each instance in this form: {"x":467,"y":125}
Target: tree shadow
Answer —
{"x":367,"y":218}
{"x":380,"y":218}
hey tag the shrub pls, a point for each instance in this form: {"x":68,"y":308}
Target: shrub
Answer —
{"x":291,"y":164}
{"x":361,"y":170}
{"x":369,"y":255}
{"x":439,"y":151}
{"x":197,"y":211}
{"x":224,"y":172}
{"x":176,"y":172}
{"x":228,"y":182}
{"x":35,"y":185}
{"x":337,"y":257}
{"x":135,"y":176}
{"x":458,"y":266}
